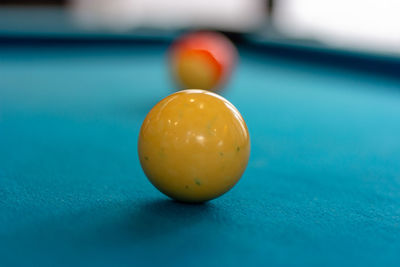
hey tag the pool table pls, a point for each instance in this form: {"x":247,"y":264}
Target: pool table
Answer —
{"x":322,"y":187}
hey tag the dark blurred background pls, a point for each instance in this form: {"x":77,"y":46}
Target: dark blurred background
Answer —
{"x":360,"y":25}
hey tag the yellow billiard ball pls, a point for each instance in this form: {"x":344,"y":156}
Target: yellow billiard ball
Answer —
{"x":194,"y":145}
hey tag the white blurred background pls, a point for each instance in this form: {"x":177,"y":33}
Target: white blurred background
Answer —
{"x":367,"y":25}
{"x":121,"y":15}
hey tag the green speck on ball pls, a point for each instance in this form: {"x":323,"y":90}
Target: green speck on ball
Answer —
{"x":197,"y":181}
{"x":238,"y":149}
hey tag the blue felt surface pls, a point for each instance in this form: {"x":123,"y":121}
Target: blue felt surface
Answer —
{"x":322,"y":186}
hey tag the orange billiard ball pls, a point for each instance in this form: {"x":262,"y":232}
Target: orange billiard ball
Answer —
{"x":202,"y":60}
{"x":194,"y":145}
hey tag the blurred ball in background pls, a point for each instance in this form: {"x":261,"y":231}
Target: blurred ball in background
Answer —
{"x":202,"y":60}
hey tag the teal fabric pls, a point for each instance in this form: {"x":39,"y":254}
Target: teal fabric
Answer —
{"x":322,"y":186}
